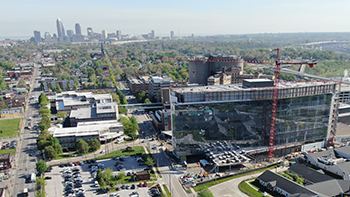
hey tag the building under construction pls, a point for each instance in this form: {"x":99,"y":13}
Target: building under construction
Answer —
{"x":240,"y":115}
{"x":216,"y":70}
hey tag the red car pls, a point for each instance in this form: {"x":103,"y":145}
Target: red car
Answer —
{"x":145,"y":184}
{"x":154,"y":187}
{"x":140,"y":185}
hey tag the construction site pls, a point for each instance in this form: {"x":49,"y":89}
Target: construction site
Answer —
{"x":262,"y":118}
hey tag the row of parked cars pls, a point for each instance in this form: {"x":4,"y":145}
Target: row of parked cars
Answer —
{"x":6,"y":145}
{"x":73,"y":182}
{"x":77,"y":163}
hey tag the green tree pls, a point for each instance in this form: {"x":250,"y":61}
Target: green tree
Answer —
{"x":81,"y":146}
{"x":134,"y":122}
{"x":120,"y":175}
{"x":69,"y":86}
{"x":56,"y":145}
{"x":58,"y":87}
{"x":61,"y":114}
{"x":53,"y":87}
{"x":94,"y":144}
{"x":75,"y":86}
{"x":46,"y":71}
{"x":3,"y":84}
{"x":108,"y":173}
{"x":102,"y":183}
{"x":44,"y":111}
{"x":99,"y":174}
{"x":21,"y":83}
{"x":45,"y":120}
{"x":115,"y":98}
{"x":50,"y":152}
{"x":122,"y":110}
{"x":40,"y":182}
{"x":147,"y":100}
{"x":41,"y":144}
{"x":41,"y":166}
{"x":42,"y":127}
{"x":43,"y":100}
{"x":149,"y":162}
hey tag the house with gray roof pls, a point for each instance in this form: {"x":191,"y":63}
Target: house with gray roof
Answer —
{"x":333,"y":188}
{"x":285,"y":187}
{"x":310,"y":176}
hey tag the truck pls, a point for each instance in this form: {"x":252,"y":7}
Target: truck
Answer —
{"x":25,"y":192}
{"x":33,"y":177}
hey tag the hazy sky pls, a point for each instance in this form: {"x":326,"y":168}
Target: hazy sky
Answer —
{"x":184,"y":17}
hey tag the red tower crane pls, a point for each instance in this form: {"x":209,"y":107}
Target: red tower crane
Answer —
{"x":278,"y":63}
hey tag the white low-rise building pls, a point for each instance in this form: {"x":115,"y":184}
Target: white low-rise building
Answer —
{"x":104,"y":131}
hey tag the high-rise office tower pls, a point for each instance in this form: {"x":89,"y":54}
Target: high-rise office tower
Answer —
{"x":90,"y":32}
{"x":153,"y":35}
{"x":60,"y":30}
{"x":172,"y":35}
{"x":104,"y":34}
{"x":77,"y":29}
{"x":70,"y":33}
{"x":47,"y":35}
{"x":37,"y":36}
{"x":119,"y":34}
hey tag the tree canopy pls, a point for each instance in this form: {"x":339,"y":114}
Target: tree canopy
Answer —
{"x":82,"y":146}
{"x":94,"y":144}
{"x":41,"y":166}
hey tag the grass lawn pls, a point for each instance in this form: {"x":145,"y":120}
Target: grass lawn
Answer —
{"x":118,"y":153}
{"x":257,"y":185}
{"x":214,"y":182}
{"x":247,"y":189}
{"x":9,"y":127}
{"x":12,"y":151}
{"x":167,"y":190}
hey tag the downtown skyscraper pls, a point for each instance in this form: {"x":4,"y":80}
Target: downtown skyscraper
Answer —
{"x":77,"y":29}
{"x":60,"y":30}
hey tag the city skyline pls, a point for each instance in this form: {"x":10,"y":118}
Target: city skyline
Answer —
{"x":184,"y":18}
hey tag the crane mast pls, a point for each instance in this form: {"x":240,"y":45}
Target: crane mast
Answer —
{"x":277,"y":72}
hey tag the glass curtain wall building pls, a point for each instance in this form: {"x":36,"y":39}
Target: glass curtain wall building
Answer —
{"x":246,"y":123}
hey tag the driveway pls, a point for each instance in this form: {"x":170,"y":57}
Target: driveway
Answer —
{"x":230,"y":188}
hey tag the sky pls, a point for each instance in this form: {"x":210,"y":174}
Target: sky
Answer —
{"x":19,"y":18}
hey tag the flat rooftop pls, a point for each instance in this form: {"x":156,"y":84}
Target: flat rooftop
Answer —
{"x":85,"y":128}
{"x":135,"y":80}
{"x":233,"y":87}
{"x":106,"y":108}
{"x":258,"y":80}
{"x":92,"y":112}
{"x":73,"y":94}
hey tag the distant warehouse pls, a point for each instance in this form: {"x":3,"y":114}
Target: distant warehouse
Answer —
{"x":240,"y":115}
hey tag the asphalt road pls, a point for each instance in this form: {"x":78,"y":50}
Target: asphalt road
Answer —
{"x":25,"y":164}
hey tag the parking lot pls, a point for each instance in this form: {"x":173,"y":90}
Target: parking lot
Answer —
{"x":56,"y":186}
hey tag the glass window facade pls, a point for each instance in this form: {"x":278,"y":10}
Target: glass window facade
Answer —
{"x":247,"y":123}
